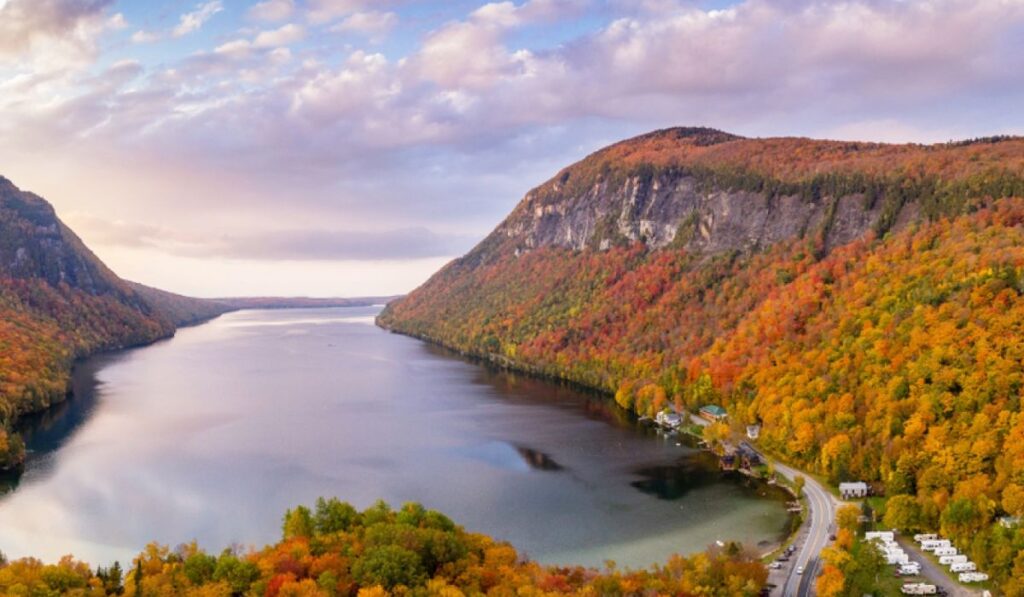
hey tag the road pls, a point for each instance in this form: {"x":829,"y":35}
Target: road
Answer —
{"x":821,"y":506}
{"x":821,"y":513}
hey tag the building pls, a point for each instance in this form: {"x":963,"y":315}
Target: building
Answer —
{"x":712,"y":412}
{"x":857,"y":489}
{"x":668,"y":419}
{"x":1009,"y":522}
{"x":753,"y":431}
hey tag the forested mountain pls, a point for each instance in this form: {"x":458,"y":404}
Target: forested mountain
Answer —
{"x":58,"y":302}
{"x":864,"y":302}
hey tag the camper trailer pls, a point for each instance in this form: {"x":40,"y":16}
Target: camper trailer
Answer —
{"x":933,"y":544}
{"x":919,"y":588}
{"x":886,"y":536}
{"x":910,"y":569}
{"x":963,"y":567}
{"x":946,"y":551}
{"x":921,"y":537}
{"x":966,"y":577}
{"x":947,"y":560}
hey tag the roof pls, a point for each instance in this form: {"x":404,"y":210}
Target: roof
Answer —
{"x":853,"y":485}
{"x":713,"y":409}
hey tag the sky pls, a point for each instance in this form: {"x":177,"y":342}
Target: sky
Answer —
{"x":352,"y":147}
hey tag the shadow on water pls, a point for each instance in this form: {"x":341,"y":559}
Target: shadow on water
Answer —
{"x":538,"y":460}
{"x":48,"y":431}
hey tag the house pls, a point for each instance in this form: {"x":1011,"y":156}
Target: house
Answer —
{"x":748,"y":455}
{"x":857,"y":489}
{"x":753,"y":431}
{"x":712,"y":412}
{"x":1009,"y":522}
{"x":668,"y":419}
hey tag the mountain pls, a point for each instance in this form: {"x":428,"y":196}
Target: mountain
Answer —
{"x":863,"y":302}
{"x":59,"y":302}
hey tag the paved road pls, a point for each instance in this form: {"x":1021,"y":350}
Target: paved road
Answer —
{"x":821,"y":514}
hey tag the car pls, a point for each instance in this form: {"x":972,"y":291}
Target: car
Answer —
{"x":775,"y":565}
{"x":799,"y":569}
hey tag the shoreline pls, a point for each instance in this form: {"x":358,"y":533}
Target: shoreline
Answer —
{"x":506,"y":364}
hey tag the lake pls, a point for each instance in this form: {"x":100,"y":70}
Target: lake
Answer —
{"x":212,"y":434}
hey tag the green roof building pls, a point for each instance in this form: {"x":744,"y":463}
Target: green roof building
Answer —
{"x":712,"y":412}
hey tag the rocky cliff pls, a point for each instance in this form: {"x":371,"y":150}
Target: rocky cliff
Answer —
{"x":710,"y":192}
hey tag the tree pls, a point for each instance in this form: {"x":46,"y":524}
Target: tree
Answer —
{"x":297,"y":523}
{"x":848,"y":517}
{"x":388,"y":566}
{"x":831,"y":582}
{"x":903,"y":512}
{"x":333,"y":516}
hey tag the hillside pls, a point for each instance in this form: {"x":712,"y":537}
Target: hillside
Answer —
{"x":862,"y":301}
{"x":334,"y":549}
{"x":58,"y":302}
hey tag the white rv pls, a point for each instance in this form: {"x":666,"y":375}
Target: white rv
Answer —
{"x":919,"y":588}
{"x":887,"y":536}
{"x":933,"y":544}
{"x":966,"y":577}
{"x":963,"y":567}
{"x":946,"y":551}
{"x":947,"y":560}
{"x":910,"y":569}
{"x":921,"y":537}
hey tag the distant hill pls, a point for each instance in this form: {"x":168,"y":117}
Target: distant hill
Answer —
{"x":302,"y":302}
{"x":864,"y":302}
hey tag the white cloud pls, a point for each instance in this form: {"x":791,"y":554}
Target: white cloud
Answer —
{"x":323,"y":11}
{"x":284,"y":36}
{"x":372,"y":24}
{"x":53,"y":34}
{"x":193,"y":21}
{"x":272,"y":10}
{"x":144,"y":37}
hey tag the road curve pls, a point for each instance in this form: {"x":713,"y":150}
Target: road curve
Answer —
{"x":821,"y":513}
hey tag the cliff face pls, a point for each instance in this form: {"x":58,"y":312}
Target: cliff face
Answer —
{"x":710,"y":192}
{"x":671,"y":209}
{"x":35,"y":244}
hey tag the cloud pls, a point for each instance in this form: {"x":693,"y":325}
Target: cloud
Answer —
{"x":445,"y":130}
{"x":193,"y":21}
{"x":272,"y":10}
{"x":144,"y":37}
{"x":53,"y":33}
{"x":323,"y":11}
{"x":284,"y":36}
{"x":372,"y":24}
{"x":316,"y":244}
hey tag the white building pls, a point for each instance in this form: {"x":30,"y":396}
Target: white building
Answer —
{"x":753,"y":431}
{"x":857,"y":489}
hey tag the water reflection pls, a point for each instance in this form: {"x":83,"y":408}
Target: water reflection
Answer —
{"x":538,"y":460}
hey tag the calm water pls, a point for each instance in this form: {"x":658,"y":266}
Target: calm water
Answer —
{"x":213,"y":434}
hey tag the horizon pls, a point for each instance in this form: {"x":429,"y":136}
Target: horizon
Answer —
{"x":340,"y":148}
